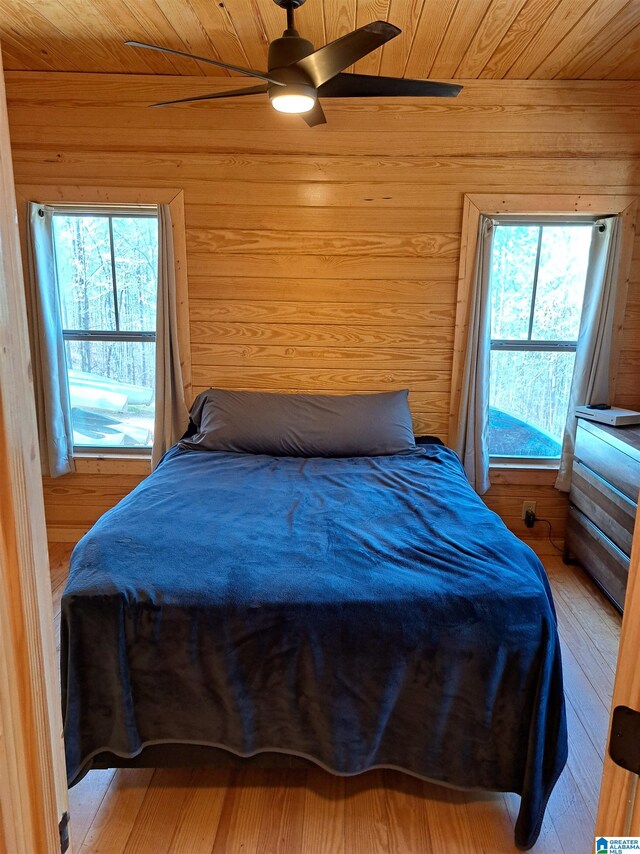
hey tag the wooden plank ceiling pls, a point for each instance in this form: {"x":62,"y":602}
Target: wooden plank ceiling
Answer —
{"x":517,"y":39}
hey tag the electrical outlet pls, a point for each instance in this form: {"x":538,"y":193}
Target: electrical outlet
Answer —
{"x":528,"y":505}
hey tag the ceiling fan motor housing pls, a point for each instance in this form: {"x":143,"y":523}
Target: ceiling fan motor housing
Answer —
{"x":288,"y":49}
{"x":283,"y":52}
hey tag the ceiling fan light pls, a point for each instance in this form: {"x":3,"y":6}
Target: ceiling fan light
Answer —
{"x":293,"y":98}
{"x":293,"y":103}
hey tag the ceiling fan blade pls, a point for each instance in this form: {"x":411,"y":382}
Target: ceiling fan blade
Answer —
{"x":315,"y":116}
{"x":230,"y":93}
{"x":327,"y":61}
{"x":370,"y":86}
{"x":261,"y":75}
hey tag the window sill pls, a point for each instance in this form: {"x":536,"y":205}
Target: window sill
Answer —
{"x":134,"y":464}
{"x":537,"y":472}
{"x":514,"y":463}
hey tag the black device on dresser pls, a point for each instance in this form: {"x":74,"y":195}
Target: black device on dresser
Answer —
{"x":603,"y":503}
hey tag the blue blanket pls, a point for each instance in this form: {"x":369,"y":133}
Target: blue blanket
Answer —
{"x":363,"y":612}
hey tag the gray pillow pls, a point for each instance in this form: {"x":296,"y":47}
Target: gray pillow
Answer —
{"x":302,"y":425}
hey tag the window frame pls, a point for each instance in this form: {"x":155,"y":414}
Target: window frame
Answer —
{"x":529,"y":344}
{"x":551,"y":205}
{"x":130,"y":212}
{"x":114,"y":197}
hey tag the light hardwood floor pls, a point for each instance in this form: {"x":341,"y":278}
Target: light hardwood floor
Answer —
{"x":261,"y":811}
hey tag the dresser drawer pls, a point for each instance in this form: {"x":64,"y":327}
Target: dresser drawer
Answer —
{"x":611,"y":511}
{"x":603,"y":560}
{"x":611,"y":463}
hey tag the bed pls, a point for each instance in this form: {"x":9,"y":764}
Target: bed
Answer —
{"x":357,"y":612}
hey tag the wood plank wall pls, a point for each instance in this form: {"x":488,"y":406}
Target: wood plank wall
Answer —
{"x":327,"y":259}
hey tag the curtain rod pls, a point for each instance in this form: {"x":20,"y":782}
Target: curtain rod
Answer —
{"x":102,"y":209}
{"x":547,"y":219}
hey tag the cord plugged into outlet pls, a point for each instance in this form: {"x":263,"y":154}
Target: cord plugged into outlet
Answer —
{"x":529,"y":513}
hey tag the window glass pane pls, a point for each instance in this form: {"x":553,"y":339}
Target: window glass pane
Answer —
{"x":528,"y":402}
{"x":83,"y":263}
{"x":112,"y":389}
{"x":564,"y":257}
{"x":135,"y":241}
{"x":513,"y":264}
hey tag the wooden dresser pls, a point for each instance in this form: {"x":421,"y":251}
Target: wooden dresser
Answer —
{"x":603,"y":504}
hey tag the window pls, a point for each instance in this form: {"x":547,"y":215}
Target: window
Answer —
{"x":537,"y":282}
{"x":107,"y":269}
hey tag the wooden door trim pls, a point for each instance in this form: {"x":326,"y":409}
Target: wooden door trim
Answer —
{"x":32,"y":767}
{"x":619,"y":805}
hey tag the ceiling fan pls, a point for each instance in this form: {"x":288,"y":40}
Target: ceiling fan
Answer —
{"x":298,"y":75}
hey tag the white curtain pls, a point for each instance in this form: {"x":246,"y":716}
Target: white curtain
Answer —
{"x":53,"y":408}
{"x":171,"y":416}
{"x":470,"y":440}
{"x":591,"y":381}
